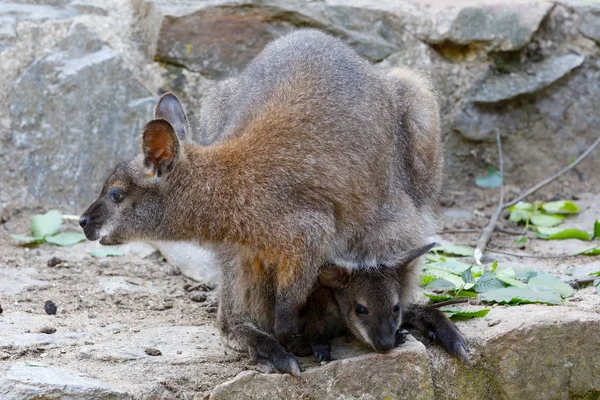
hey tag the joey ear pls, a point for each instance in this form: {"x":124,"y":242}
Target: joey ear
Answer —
{"x":334,"y":277}
{"x":170,"y":109}
{"x":160,"y":146}
{"x":410,"y":255}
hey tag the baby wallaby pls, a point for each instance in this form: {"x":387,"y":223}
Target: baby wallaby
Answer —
{"x":310,"y":156}
{"x":373,"y":305}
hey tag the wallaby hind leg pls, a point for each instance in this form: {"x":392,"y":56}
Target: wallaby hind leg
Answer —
{"x":262,"y":348}
{"x":438,"y":328}
{"x":315,"y":326}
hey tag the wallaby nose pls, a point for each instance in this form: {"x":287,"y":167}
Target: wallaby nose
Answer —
{"x":83,"y":220}
{"x":386,"y":343}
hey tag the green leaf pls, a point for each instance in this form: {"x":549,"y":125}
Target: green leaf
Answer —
{"x":522,"y":205}
{"x":453,"y":266}
{"x":492,"y":180}
{"x":520,"y":216}
{"x":543,"y":281}
{"x":559,"y":233}
{"x":467,"y":276}
{"x":597,"y":273}
{"x":596,"y":229}
{"x":434,"y":257}
{"x":46,"y":224}
{"x":597,"y":285}
{"x":546,"y":220}
{"x":442,"y":297}
{"x":521,"y":240}
{"x":451,"y":249}
{"x":27,"y":239}
{"x":524,"y":274}
{"x":440,"y":284}
{"x":66,"y":238}
{"x":488,"y":282}
{"x":560,"y":207}
{"x":107,"y":251}
{"x":427,"y":279}
{"x":508,"y":276}
{"x":464,"y":293}
{"x":515,"y":295}
{"x":441,"y":274}
{"x":458,"y":314}
{"x":494,"y":265}
{"x":589,"y":251}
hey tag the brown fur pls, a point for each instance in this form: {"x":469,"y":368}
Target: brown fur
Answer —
{"x":311,"y":156}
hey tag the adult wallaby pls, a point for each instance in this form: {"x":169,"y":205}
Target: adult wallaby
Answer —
{"x":315,"y":157}
{"x":373,"y":304}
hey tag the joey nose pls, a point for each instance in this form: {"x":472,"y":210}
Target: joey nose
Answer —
{"x":83,"y":220}
{"x":385,"y":344}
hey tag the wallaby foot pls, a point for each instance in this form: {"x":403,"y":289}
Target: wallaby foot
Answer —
{"x":400,"y":337}
{"x":263,"y":349}
{"x":438,"y":328}
{"x":322,"y":352}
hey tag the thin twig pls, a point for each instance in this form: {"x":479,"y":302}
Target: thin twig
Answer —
{"x":576,"y":284}
{"x":450,"y":302}
{"x":533,"y":256}
{"x":553,"y":177}
{"x":501,"y":230}
{"x":486,"y":234}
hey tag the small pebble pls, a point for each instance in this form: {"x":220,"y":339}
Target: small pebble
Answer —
{"x":153,"y":352}
{"x":198,"y":297}
{"x":179,"y":351}
{"x":50,"y":307}
{"x":48,"y":330}
{"x":88,"y":343}
{"x":0,"y":309}
{"x":494,"y":322}
{"x":54,"y":261}
{"x":211,"y":310}
{"x":162,"y":307}
{"x":4,"y":355}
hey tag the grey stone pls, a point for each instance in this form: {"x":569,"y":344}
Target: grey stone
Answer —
{"x":498,"y":27}
{"x":537,"y":77}
{"x":403,"y":373}
{"x":16,"y":280}
{"x":23,"y":382}
{"x":68,"y":129}
{"x":122,"y":284}
{"x":590,"y":25}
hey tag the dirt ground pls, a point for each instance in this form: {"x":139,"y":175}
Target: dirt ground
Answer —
{"x":112,"y":310}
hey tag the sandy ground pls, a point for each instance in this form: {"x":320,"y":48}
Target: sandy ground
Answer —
{"x":111,"y":310}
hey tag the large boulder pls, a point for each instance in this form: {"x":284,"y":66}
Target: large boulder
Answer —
{"x":76,"y":111}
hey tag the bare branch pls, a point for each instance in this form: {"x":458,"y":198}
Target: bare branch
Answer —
{"x":486,"y":234}
{"x":449,"y":302}
{"x":553,"y":177}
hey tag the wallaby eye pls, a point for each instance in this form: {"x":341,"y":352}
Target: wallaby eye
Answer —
{"x":116,"y":195}
{"x":361,"y":310}
{"x":397,"y":308}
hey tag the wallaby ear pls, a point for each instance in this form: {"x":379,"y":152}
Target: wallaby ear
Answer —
{"x":170,"y":109}
{"x":410,"y":255}
{"x":334,"y":277}
{"x":160,"y":146}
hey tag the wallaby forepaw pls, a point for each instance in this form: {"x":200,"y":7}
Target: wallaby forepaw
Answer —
{"x":322,"y":352}
{"x":400,"y":337}
{"x":281,"y":361}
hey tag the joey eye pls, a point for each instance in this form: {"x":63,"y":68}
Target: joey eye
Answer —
{"x":116,"y":195}
{"x":397,"y":308}
{"x":361,"y":310}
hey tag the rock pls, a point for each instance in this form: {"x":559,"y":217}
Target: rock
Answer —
{"x":194,"y":261}
{"x":50,"y":307}
{"x":497,"y":27}
{"x":48,"y":330}
{"x":590,"y":25}
{"x":153,"y":352}
{"x":16,"y":280}
{"x":403,"y":373}
{"x":536,"y":78}
{"x":54,"y":261}
{"x":122,"y":284}
{"x":198,"y":297}
{"x":33,"y":382}
{"x":65,"y":153}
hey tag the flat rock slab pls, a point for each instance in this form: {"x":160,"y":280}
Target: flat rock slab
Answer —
{"x":23,"y":382}
{"x":542,"y":75}
{"x":404,"y":373}
{"x":531,"y":344}
{"x":16,"y":280}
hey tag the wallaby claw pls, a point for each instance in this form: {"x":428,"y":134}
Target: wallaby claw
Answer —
{"x":453,"y":341}
{"x":322,"y":352}
{"x":282,"y":362}
{"x":400,"y":337}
